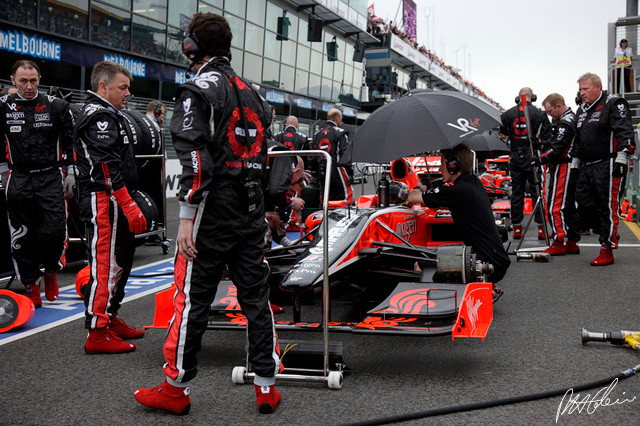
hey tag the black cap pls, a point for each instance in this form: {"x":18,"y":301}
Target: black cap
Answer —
{"x":624,"y":40}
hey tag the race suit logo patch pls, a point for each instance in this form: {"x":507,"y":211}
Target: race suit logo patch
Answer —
{"x":40,"y":108}
{"x":186,"y":105}
{"x":241,"y":149}
{"x":15,"y":129}
{"x":102,"y":125}
{"x":41,"y":117}
{"x":13,"y":107}
{"x":622,"y":110}
{"x":324,"y":145}
{"x":16,"y":234}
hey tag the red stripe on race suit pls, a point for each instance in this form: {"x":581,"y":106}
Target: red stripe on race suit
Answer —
{"x":102,"y":259}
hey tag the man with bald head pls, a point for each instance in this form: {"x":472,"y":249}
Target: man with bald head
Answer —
{"x":333,"y":139}
{"x":290,"y":136}
{"x":515,"y":128}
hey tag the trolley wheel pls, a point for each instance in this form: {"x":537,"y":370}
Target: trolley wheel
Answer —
{"x":165,"y":246}
{"x":334,"y":380}
{"x":237,"y":375}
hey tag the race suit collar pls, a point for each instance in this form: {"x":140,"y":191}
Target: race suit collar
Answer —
{"x":214,"y":61}
{"x":103,"y":100}
{"x":586,"y":107}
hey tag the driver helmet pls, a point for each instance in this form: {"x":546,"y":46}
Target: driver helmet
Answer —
{"x":398,"y":192}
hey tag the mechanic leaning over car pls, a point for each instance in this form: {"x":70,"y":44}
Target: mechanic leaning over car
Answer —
{"x":515,"y":127}
{"x":333,"y":139}
{"x":218,"y":129}
{"x":604,"y":140}
{"x":36,"y":168}
{"x":106,"y":176}
{"x":561,"y":206}
{"x":466,"y":197}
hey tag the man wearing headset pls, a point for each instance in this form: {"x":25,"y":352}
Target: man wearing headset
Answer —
{"x":218,"y":129}
{"x":466,"y":197}
{"x":514,"y":126}
{"x":155,"y":111}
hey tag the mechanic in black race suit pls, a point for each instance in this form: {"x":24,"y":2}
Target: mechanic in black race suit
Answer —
{"x":561,"y":205}
{"x":222,"y":218}
{"x":106,"y":175}
{"x":466,"y":197}
{"x":604,"y":140}
{"x":333,"y":139}
{"x":290,"y":136}
{"x":520,"y":168}
{"x":37,"y":139}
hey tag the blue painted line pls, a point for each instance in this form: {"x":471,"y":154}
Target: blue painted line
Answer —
{"x":70,"y":306}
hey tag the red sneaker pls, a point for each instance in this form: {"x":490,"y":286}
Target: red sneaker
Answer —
{"x":605,"y":257}
{"x":572,"y":247}
{"x":268,"y":398}
{"x":166,"y":397}
{"x":541,"y":232}
{"x":123,"y":330}
{"x":556,"y":249}
{"x":50,"y":285}
{"x":517,"y":232}
{"x":103,"y":341}
{"x":33,"y":293}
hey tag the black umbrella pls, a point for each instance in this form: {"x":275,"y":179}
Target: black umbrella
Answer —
{"x":423,"y":120}
{"x":488,"y":144}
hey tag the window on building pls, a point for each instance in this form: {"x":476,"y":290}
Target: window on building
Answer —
{"x":237,"y":28}
{"x":254,"y":39}
{"x":302,"y":58}
{"x":110,"y":27}
{"x":207,"y":8}
{"x":271,"y":46}
{"x":273,"y":13}
{"x":174,"y":46}
{"x":287,"y":77}
{"x":180,"y":12}
{"x":256,"y":12}
{"x":237,"y":59}
{"x":302,"y":82}
{"x":66,"y":19}
{"x":236,"y":7}
{"x":155,"y":9}
{"x":149,"y":37}
{"x":271,"y":73}
{"x":289,"y":52}
{"x":252,"y":69}
{"x":314,"y":85}
{"x":23,"y":13}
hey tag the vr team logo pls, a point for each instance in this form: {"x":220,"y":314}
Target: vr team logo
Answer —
{"x":102,"y":125}
{"x":186,"y":105}
{"x":466,"y":126}
{"x":241,"y":149}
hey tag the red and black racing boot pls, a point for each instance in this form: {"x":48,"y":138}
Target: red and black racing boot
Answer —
{"x":605,"y":257}
{"x":166,"y":397}
{"x":517,"y":232}
{"x":556,"y":248}
{"x":572,"y":247}
{"x":50,"y":285}
{"x":124,"y":330}
{"x":33,"y":293}
{"x":268,"y":398}
{"x":541,"y":233}
{"x":103,"y":341}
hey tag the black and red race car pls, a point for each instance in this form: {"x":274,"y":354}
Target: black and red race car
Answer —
{"x":371,"y":253}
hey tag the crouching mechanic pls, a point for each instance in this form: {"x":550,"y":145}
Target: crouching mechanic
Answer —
{"x":38,"y":149}
{"x":466,"y":197}
{"x":106,"y":173}
{"x":218,"y":129}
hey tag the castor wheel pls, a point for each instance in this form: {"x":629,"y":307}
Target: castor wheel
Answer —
{"x":237,"y":375}
{"x":166,"y":245}
{"x":334,"y":380}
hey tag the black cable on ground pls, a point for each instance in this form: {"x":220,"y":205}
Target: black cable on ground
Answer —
{"x":495,"y":403}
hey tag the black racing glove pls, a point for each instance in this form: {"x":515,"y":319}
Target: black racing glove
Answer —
{"x":619,"y":168}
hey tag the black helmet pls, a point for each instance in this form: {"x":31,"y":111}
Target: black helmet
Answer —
{"x":398,"y":192}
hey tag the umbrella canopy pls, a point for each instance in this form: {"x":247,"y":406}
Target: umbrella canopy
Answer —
{"x":423,"y":120}
{"x":485,"y":143}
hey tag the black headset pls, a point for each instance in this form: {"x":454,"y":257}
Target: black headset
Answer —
{"x":453,"y":164}
{"x":157,"y":112}
{"x":533,"y":98}
{"x":191,"y":48}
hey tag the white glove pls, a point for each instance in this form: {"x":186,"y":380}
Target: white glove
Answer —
{"x":69,"y":183}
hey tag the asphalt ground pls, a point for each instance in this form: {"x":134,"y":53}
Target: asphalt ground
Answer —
{"x":533,"y":346}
